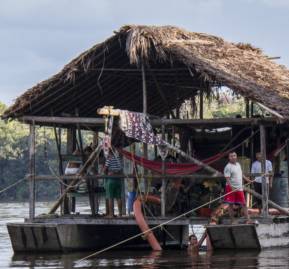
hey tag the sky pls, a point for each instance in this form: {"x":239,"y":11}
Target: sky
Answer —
{"x":38,"y":37}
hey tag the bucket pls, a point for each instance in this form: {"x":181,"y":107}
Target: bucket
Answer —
{"x":279,"y":193}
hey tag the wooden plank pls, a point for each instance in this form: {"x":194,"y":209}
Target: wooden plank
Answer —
{"x":155,"y":122}
{"x":144,"y":89}
{"x":163,"y":188}
{"x":263,"y":169}
{"x":271,"y":111}
{"x":220,"y":237}
{"x":284,"y":211}
{"x":245,"y":236}
{"x":240,"y":236}
{"x":287,"y":153}
{"x":201,"y":104}
{"x":32,"y":171}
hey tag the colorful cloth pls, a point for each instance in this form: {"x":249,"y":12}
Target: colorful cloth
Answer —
{"x":236,"y":197}
{"x":137,"y":125}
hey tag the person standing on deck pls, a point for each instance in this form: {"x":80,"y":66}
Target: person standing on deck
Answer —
{"x":234,"y":182}
{"x":257,"y":168}
{"x":113,"y":186}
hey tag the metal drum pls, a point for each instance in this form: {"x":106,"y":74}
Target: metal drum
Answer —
{"x":280,"y":191}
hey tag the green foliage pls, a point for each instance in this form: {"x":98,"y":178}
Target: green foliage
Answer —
{"x":14,"y":160}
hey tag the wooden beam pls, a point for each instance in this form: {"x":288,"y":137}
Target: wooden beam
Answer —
{"x":138,"y":70}
{"x":144,"y":89}
{"x":287,"y":154}
{"x":32,"y":171}
{"x":57,"y":137}
{"x":42,"y":120}
{"x":274,"y":205}
{"x":201,"y":104}
{"x":247,"y":101}
{"x":163,"y":188}
{"x":75,"y":181}
{"x":263,"y":171}
{"x":62,"y":120}
{"x":96,"y":177}
{"x":271,"y":111}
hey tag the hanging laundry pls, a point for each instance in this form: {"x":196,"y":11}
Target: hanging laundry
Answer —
{"x":137,"y":125}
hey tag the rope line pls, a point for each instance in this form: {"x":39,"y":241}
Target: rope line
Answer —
{"x":156,"y":227}
{"x":12,"y":185}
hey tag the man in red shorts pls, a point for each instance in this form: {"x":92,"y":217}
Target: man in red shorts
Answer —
{"x":234,"y":182}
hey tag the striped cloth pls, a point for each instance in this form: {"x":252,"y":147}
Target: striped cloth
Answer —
{"x":113,"y":163}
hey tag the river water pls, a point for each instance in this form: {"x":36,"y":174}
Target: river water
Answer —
{"x":14,"y":212}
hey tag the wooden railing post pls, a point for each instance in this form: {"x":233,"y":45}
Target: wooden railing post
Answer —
{"x":263,"y":171}
{"x":32,"y":171}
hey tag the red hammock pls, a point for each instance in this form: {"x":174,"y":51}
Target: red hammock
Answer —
{"x":171,"y":168}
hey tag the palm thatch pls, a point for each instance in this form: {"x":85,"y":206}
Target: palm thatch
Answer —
{"x":178,"y":65}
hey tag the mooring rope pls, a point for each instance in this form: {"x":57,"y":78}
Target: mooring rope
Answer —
{"x":158,"y":226}
{"x":12,"y":185}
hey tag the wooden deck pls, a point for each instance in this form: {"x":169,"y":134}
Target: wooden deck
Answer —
{"x":127,"y":220}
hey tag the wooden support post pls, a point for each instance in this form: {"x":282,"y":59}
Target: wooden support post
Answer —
{"x":145,"y":146}
{"x":252,"y":157}
{"x":287,"y":154}
{"x":252,"y":109}
{"x":163,"y":189}
{"x":32,"y":171}
{"x":201,"y":104}
{"x":70,"y":148}
{"x":247,"y":107}
{"x":94,"y":183}
{"x":60,"y":166}
{"x":88,"y":183}
{"x":263,"y":170}
{"x":144,"y":89}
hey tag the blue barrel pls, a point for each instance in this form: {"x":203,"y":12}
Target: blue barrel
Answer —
{"x":279,"y":193}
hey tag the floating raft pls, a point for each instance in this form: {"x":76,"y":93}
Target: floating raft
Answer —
{"x":233,"y":236}
{"x":249,"y":236}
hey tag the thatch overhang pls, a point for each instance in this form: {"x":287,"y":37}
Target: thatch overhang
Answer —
{"x":178,"y":64}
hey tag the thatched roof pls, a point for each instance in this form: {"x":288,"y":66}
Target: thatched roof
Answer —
{"x":178,"y":64}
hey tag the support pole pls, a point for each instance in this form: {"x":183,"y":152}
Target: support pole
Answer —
{"x":32,"y":171}
{"x":263,"y":170}
{"x":94,"y":184}
{"x":70,"y":148}
{"x":287,"y":154}
{"x":144,"y":89}
{"x":247,"y":107}
{"x":163,"y":190}
{"x":145,"y":146}
{"x":201,"y":104}
{"x":60,"y":166}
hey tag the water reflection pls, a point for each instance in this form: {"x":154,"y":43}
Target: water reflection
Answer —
{"x":275,"y":258}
